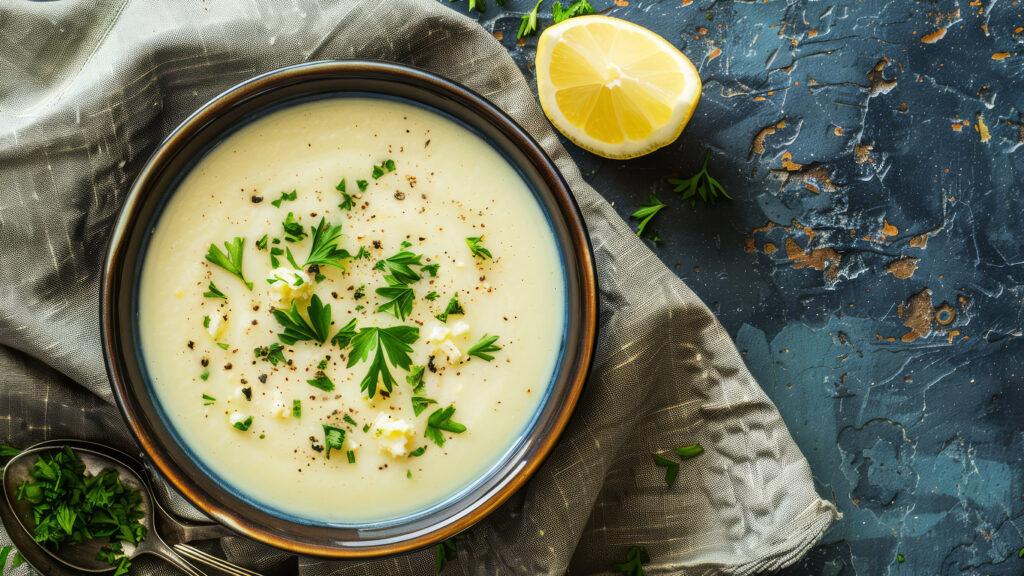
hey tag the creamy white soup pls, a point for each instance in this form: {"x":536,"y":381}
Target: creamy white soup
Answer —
{"x":404,"y":320}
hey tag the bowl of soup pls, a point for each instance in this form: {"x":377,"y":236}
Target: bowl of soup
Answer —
{"x":348,"y":308}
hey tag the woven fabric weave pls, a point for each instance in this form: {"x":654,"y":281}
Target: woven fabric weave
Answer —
{"x":89,"y":88}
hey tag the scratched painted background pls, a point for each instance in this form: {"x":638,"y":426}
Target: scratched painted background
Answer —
{"x":871,"y":267}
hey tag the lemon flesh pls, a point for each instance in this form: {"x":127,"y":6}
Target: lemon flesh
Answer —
{"x":614,"y":88}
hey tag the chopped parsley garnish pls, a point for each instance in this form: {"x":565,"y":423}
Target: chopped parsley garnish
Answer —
{"x":481,"y":348}
{"x":333,"y":439}
{"x":383,"y":168}
{"x":400,"y":266}
{"x":647,"y":211}
{"x":350,"y":420}
{"x":322,"y":382}
{"x":415,"y":379}
{"x":366,"y":427}
{"x":418,"y":452}
{"x":453,"y":307}
{"x":408,"y":474}
{"x":432,"y":296}
{"x":671,"y":466}
{"x":289,"y":196}
{"x":441,"y":419}
{"x":691,"y":451}
{"x":362,"y":254}
{"x":206,"y":321}
{"x":232,"y":260}
{"x":261,"y":244}
{"x":351,"y":455}
{"x":362,"y":184}
{"x":701,"y":184}
{"x":344,"y":336}
{"x":205,"y":375}
{"x":223,"y":345}
{"x":399,"y":296}
{"x":900,"y":558}
{"x":273,"y":354}
{"x":395,"y":340}
{"x":70,"y":507}
{"x":405,"y":244}
{"x":297,"y":408}
{"x":346,"y":200}
{"x":6,"y":450}
{"x":244,"y":424}
{"x":293,"y":230}
{"x":580,"y":8}
{"x":291,"y":259}
{"x":529,"y":24}
{"x":274,"y":253}
{"x":360,"y":292}
{"x":635,"y":559}
{"x":475,"y":244}
{"x":214,"y":292}
{"x":297,"y":328}
{"x":420,"y":403}
{"x":322,"y":364}
{"x":325,"y":251}
{"x":446,"y":552}
{"x":431,"y":269}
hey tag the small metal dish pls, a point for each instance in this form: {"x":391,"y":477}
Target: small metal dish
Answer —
{"x":203,"y":130}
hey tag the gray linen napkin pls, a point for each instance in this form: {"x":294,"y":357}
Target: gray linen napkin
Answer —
{"x":89,"y":88}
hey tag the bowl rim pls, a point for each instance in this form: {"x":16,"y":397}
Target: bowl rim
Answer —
{"x":114,"y":263}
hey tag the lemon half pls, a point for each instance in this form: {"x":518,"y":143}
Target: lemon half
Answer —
{"x":614,"y":88}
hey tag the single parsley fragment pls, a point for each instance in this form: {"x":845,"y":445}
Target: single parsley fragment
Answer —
{"x":445,"y":552}
{"x":297,"y":328}
{"x":285,"y":196}
{"x":415,"y":379}
{"x":481,"y":348}
{"x":453,"y":307}
{"x":580,"y":8}
{"x":475,"y":244}
{"x":420,"y":403}
{"x":208,"y":400}
{"x":232,"y":260}
{"x":293,"y":230}
{"x":671,"y":466}
{"x":213,"y":292}
{"x":647,"y":211}
{"x":701,"y":185}
{"x":244,"y":424}
{"x":325,"y":250}
{"x":635,"y":559}
{"x":386,"y":166}
{"x":690,"y":451}
{"x":297,"y":408}
{"x":441,"y":420}
{"x":333,"y":439}
{"x":529,"y":23}
{"x":400,"y":266}
{"x":344,"y":336}
{"x":395,"y":342}
{"x":362,"y":185}
{"x":273,"y":354}
{"x":322,"y":382}
{"x":346,"y":200}
{"x":400,"y":298}
{"x":418,"y":452}
{"x":431,"y":269}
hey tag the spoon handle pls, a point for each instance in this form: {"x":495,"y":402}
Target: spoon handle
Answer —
{"x":168,"y":554}
{"x":213,"y":561}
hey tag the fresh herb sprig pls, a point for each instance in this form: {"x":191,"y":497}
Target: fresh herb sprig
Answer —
{"x":400,"y":298}
{"x":293,"y":230}
{"x":475,"y":244}
{"x":441,"y":420}
{"x":333,"y":439}
{"x":285,"y":196}
{"x":635,"y":559}
{"x":384,"y":167}
{"x":580,"y":8}
{"x":297,"y":328}
{"x":273,"y":353}
{"x":344,"y":336}
{"x":232,"y":260}
{"x":529,"y":22}
{"x":647,"y":211}
{"x":453,"y":307}
{"x":701,"y":185}
{"x":400,"y":266}
{"x":395,"y":342}
{"x":325,"y":250}
{"x":481,"y":348}
{"x":346,"y":200}
{"x":213,"y":292}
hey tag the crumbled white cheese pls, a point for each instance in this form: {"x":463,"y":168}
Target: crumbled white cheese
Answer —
{"x":451,"y":351}
{"x":282,"y":410}
{"x":393,"y":434}
{"x":217,"y":326}
{"x":460,"y":328}
{"x":438,"y":334}
{"x":288,"y":284}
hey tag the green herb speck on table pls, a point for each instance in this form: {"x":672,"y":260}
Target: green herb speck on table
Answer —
{"x":635,"y":559}
{"x":701,"y":185}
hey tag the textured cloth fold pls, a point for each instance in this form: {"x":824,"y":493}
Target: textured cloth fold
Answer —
{"x":89,"y":88}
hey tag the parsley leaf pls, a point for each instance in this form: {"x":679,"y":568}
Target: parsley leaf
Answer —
{"x":273,"y":353}
{"x":700,"y":184}
{"x":6,"y":450}
{"x":325,"y":251}
{"x":400,"y":298}
{"x":350,"y":420}
{"x":261,"y":244}
{"x":647,"y":211}
{"x":344,"y":336}
{"x":446,"y":552}
{"x":322,"y":382}
{"x":474,"y":243}
{"x":633,"y":566}
{"x":362,"y":184}
{"x":420,"y":403}
{"x":285,"y":196}
{"x":453,"y":307}
{"x":691,"y":451}
{"x":580,"y":8}
{"x":432,"y":296}
{"x":208,"y":400}
{"x":418,"y":452}
{"x":244,"y":424}
{"x":297,"y":408}
{"x":232,"y":261}
{"x":400,"y":266}
{"x":441,"y":419}
{"x":333,"y":439}
{"x":415,"y":379}
{"x":296,"y":328}
{"x":214,"y":292}
{"x":529,"y":24}
{"x":481,"y":348}
{"x":672,"y":468}
{"x":293,"y":230}
{"x":346,"y":200}
{"x":386,"y":166}
{"x":395,"y":340}
{"x":431,"y":269}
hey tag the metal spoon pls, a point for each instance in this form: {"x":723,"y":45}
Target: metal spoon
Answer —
{"x":82,"y":557}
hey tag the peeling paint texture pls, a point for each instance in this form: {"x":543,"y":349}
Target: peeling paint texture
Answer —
{"x":871,"y":266}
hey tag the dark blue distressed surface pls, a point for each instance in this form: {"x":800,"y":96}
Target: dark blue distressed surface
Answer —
{"x":900,"y":382}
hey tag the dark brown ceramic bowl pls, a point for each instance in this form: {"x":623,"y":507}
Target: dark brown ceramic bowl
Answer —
{"x":157,"y":181}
